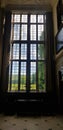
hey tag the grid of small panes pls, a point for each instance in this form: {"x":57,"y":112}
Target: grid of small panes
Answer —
{"x":27,"y":68}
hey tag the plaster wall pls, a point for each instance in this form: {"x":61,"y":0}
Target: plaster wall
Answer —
{"x":24,"y":2}
{"x":55,"y":17}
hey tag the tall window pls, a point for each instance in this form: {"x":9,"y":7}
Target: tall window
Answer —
{"x":27,"y":66}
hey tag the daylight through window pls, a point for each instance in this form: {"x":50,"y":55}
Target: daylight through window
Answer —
{"x":27,"y":66}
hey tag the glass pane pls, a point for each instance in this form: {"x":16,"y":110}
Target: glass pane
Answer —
{"x":24,"y":32}
{"x":59,"y":46}
{"x":10,"y":56}
{"x":15,"y":69}
{"x":12,"y":31}
{"x":41,"y":32}
{"x":23,"y":51}
{"x":16,"y":32}
{"x":32,"y":32}
{"x":23,"y":76}
{"x":15,"y":51}
{"x":41,"y":51}
{"x":40,"y":18}
{"x":45,"y":19}
{"x":24,"y":18}
{"x":33,"y":51}
{"x":33,"y":76}
{"x":9,"y":77}
{"x":33,"y":18}
{"x":12,"y":18}
{"x":15,"y":18}
{"x":41,"y":76}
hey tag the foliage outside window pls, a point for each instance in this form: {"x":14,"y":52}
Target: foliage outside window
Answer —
{"x":27,"y":66}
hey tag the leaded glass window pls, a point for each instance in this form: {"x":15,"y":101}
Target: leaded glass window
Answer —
{"x":27,"y":66}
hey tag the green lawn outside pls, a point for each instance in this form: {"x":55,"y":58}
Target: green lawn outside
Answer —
{"x":23,"y":87}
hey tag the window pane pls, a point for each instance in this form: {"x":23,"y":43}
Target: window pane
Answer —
{"x":16,"y":32}
{"x":32,"y":32}
{"x":15,"y":51}
{"x":59,"y":46}
{"x":10,"y":55}
{"x":12,"y":18}
{"x":23,"y":51}
{"x":33,"y":18}
{"x":24,"y":32}
{"x":33,"y":51}
{"x":23,"y":76}
{"x":12,"y":31}
{"x":24,"y":18}
{"x":41,"y":76}
{"x":45,"y":19}
{"x":41,"y":32}
{"x":41,"y":51}
{"x":33,"y":76}
{"x":27,"y":53}
{"x":15,"y":68}
{"x":9,"y":77}
{"x":40,"y":18}
{"x":15,"y":18}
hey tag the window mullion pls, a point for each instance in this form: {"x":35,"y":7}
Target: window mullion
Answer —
{"x":19,"y":82}
{"x":11,"y":49}
{"x":19,"y":68}
{"x":11,"y":68}
{"x":28,"y":57}
{"x":37,"y":53}
{"x":10,"y":75}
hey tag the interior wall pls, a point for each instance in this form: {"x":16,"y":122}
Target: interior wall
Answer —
{"x":24,"y":2}
{"x":0,"y":2}
{"x":46,"y":3}
{"x":1,"y":39}
{"x":59,"y":57}
{"x":54,"y":9}
{"x":55,"y":17}
{"x":49,"y":3}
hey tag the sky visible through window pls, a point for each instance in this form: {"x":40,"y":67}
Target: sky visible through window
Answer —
{"x":27,"y":51}
{"x":17,"y":19}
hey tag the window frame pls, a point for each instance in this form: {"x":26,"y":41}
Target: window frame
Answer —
{"x":28,"y":55}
